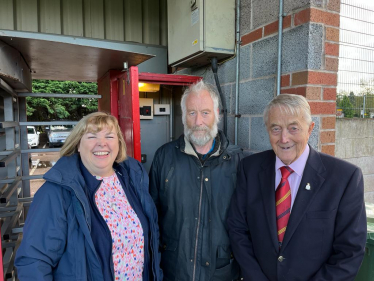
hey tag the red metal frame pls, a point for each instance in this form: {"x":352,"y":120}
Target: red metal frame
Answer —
{"x":134,"y":85}
{"x":129,"y":116}
{"x":120,"y":97}
{"x":168,"y":79}
{"x":108,"y":89}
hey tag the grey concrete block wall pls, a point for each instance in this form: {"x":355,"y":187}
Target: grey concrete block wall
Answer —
{"x":369,"y":183}
{"x":355,"y":144}
{"x":315,"y":48}
{"x":259,"y":140}
{"x":254,"y":95}
{"x":294,"y":58}
{"x":243,"y":130}
{"x":369,"y":197}
{"x":314,"y":137}
{"x":267,"y":11}
{"x":227,"y":92}
{"x":245,"y":16}
{"x":354,"y":138}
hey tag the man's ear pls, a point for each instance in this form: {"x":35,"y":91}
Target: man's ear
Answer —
{"x":311,"y":126}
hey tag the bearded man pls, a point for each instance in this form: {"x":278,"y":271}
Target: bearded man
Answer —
{"x":191,"y":181}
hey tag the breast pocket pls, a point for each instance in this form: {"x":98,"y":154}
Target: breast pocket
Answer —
{"x":319,"y":232}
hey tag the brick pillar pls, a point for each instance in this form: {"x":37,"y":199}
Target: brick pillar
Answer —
{"x":319,"y":85}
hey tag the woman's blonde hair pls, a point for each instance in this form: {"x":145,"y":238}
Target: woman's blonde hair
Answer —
{"x":93,"y":123}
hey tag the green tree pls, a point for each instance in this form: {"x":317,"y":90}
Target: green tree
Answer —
{"x":45,"y":109}
{"x":352,"y":97}
{"x":347,"y":107}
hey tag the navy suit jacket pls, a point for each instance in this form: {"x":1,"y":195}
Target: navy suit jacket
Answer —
{"x":326,"y":233}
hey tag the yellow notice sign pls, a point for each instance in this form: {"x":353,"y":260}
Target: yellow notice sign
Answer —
{"x":194,"y":42}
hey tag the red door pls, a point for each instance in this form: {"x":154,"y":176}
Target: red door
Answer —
{"x":128,"y":111}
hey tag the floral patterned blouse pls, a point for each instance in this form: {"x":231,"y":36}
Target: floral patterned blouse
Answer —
{"x":125,"y":228}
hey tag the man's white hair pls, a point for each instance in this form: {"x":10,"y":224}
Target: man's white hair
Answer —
{"x":295,"y":105}
{"x":197,"y":89}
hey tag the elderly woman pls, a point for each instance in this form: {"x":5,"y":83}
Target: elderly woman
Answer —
{"x":93,"y":218}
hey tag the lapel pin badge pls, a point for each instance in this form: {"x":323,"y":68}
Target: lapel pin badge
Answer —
{"x":307,"y":187}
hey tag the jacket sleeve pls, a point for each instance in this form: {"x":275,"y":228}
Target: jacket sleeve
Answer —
{"x":348,"y":247}
{"x":239,"y":234}
{"x":44,"y":235}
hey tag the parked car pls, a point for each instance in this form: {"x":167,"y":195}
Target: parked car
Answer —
{"x":57,"y":134}
{"x":32,"y":136}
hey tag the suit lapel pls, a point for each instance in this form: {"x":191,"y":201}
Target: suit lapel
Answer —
{"x":267,"y":181}
{"x":311,"y":175}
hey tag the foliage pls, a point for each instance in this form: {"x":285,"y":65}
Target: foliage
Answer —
{"x":363,"y":97}
{"x":347,"y":107}
{"x":46,"y":109}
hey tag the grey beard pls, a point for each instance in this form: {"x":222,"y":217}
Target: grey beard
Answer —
{"x":200,"y":140}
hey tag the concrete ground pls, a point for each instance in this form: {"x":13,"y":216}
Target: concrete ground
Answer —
{"x":41,"y":163}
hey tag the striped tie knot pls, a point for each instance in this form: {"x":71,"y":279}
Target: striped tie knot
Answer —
{"x":286,"y":172}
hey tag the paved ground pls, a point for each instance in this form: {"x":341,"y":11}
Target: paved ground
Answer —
{"x":41,"y":163}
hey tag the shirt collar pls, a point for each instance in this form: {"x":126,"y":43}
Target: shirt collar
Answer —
{"x":298,"y":166}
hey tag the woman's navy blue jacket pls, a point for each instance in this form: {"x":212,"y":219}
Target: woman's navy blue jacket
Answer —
{"x":58,"y":241}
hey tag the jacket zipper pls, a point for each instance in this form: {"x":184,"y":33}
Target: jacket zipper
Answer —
{"x":198,"y":224}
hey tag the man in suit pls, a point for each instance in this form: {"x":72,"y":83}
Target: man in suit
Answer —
{"x":296,"y":214}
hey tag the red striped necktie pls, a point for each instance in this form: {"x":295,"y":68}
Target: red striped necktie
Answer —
{"x":283,"y":202}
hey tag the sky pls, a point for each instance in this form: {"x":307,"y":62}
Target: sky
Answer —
{"x":356,"y":50}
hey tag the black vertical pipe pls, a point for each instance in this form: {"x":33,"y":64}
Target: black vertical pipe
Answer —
{"x":223,"y":100}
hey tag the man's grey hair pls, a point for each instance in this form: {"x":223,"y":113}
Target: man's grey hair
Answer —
{"x":295,"y":105}
{"x":197,"y":89}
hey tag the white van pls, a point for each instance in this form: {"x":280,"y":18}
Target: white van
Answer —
{"x":32,"y":136}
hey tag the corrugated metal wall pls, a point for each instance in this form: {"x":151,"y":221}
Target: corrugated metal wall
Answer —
{"x":142,"y":21}
{"x":356,"y":50}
